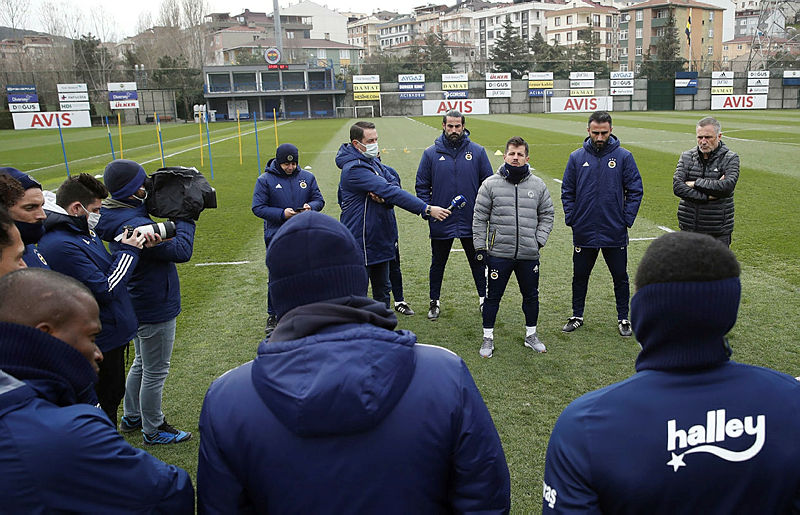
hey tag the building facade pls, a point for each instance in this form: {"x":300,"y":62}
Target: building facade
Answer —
{"x":564,"y":23}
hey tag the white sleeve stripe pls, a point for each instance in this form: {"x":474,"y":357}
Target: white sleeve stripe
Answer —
{"x":122,"y":268}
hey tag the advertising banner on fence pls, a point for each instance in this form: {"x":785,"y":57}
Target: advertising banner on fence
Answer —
{"x":411,"y":77}
{"x":123,"y":95}
{"x":454,"y":77}
{"x":51,"y":120}
{"x":360,"y":88}
{"x":456,"y":94}
{"x":23,"y":108}
{"x":739,"y":102}
{"x":74,"y":106}
{"x":411,"y":86}
{"x":72,"y":88}
{"x":121,"y":86}
{"x":498,"y":93}
{"x":22,"y":98}
{"x":581,"y":105}
{"x":124,"y":104}
{"x":412,"y":96}
{"x":439,"y":107}
{"x":370,"y":95}
{"x":498,"y":76}
{"x":21,"y":88}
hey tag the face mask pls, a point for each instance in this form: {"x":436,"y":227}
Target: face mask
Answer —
{"x":516,"y":173}
{"x":141,"y":199}
{"x":372,"y":150}
{"x":30,"y":233}
{"x":91,"y":218}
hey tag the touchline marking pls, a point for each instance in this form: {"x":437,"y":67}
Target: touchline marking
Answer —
{"x":224,"y":263}
{"x":559,"y":181}
{"x":665,"y":229}
{"x":642,"y":239}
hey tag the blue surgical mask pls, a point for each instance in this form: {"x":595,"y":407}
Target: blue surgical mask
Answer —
{"x":371,"y":150}
{"x":91,"y":218}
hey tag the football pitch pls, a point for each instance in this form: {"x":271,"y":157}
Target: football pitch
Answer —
{"x":224,"y":285}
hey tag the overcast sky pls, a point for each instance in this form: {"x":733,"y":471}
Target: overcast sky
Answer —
{"x":125,"y":13}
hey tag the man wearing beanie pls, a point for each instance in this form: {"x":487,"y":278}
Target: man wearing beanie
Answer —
{"x":282,"y":191}
{"x":340,"y":413}
{"x":155,"y":292}
{"x":26,"y":211}
{"x":691,"y":431}
{"x":600,"y":193}
{"x":512,"y":221}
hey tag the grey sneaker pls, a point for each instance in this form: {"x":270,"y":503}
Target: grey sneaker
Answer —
{"x":403,"y":308}
{"x":572,"y":324}
{"x":435,"y":310}
{"x":487,"y":347}
{"x":625,"y":328}
{"x":533,"y":342}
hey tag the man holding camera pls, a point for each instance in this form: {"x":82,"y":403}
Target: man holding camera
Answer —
{"x":282,"y":191}
{"x":155,"y":292}
{"x":74,"y":249}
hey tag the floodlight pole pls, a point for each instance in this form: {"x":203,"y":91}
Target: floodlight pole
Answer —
{"x":276,"y":23}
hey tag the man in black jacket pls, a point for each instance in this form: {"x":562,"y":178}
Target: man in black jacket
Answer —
{"x":704,"y":181}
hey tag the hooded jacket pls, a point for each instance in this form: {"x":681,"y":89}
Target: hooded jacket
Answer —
{"x":154,"y":287}
{"x":58,"y":452}
{"x":697,"y":211}
{"x":691,"y":431}
{"x":276,"y":190}
{"x":448,"y":170}
{"x":516,"y":219}
{"x":338,"y":413}
{"x":371,"y":222}
{"x":601,"y":193}
{"x":76,"y":251}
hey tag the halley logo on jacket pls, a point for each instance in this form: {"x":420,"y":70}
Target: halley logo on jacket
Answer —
{"x":585,"y":163}
{"x":699,"y":438}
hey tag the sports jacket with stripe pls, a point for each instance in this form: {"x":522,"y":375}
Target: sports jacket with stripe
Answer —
{"x":71,"y":248}
{"x":372,"y":223}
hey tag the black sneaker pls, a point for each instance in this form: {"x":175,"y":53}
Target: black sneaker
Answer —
{"x":435,"y":310}
{"x":624,"y":326}
{"x":572,"y":324}
{"x":166,"y":434}
{"x":130,"y":424}
{"x":272,"y":322}
{"x":403,"y":308}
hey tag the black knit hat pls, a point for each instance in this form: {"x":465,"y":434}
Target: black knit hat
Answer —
{"x":287,"y":153}
{"x":123,"y":178}
{"x":26,"y":180}
{"x":313,"y":258}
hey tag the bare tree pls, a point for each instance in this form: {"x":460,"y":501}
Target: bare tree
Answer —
{"x":14,"y":13}
{"x":194,"y":12}
{"x":169,"y":15}
{"x":144,"y":22}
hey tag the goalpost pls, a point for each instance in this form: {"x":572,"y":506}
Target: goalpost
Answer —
{"x":355,"y":112}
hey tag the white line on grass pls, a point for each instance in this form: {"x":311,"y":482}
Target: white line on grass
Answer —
{"x":224,"y":263}
{"x":665,"y":229}
{"x":642,"y":239}
{"x":559,"y":181}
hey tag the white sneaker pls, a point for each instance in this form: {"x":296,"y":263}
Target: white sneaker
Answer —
{"x":487,"y":347}
{"x":533,"y":342}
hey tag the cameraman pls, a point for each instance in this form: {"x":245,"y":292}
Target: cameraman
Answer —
{"x":73,"y":248}
{"x":155,"y":292}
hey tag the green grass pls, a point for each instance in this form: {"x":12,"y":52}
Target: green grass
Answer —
{"x":224,"y":306}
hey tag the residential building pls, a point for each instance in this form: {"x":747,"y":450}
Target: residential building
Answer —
{"x":761,"y":23}
{"x":363,"y":33}
{"x":395,"y":31}
{"x":528,"y":19}
{"x":564,"y":23}
{"x":738,"y":57}
{"x":292,"y":26}
{"x":643,"y":24}
{"x":462,"y":55}
{"x":427,"y":19}
{"x":326,"y":24}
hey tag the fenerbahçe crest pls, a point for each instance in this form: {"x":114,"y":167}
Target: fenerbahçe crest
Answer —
{"x":711,"y":437}
{"x":612,"y":163}
{"x":303,"y":185}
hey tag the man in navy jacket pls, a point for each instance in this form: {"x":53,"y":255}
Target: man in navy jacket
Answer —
{"x":452,"y":166}
{"x":366,"y":195}
{"x":691,"y":431}
{"x":601,"y":193}
{"x":156,"y":294}
{"x":282,"y":191}
{"x":28,"y":214}
{"x":59,"y":453}
{"x":11,"y":247}
{"x":73,"y":248}
{"x":340,"y":413}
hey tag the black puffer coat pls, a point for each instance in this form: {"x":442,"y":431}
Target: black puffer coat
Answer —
{"x":708,"y":207}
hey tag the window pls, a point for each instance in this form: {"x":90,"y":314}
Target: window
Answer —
{"x":569,"y":36}
{"x":608,"y":53}
{"x":558,"y":21}
{"x":557,"y":38}
{"x":638,"y":51}
{"x":569,"y":20}
{"x":725,"y":47}
{"x":623,"y":67}
{"x":322,"y":53}
{"x":738,"y":47}
{"x":595,"y":37}
{"x":623,"y":35}
{"x":638,"y":67}
{"x":596,"y":20}
{"x":623,"y":52}
{"x":711,"y":16}
{"x":743,"y":22}
{"x":710,"y":33}
{"x":490,"y":34}
{"x":328,"y":36}
{"x":516,"y":16}
{"x":639,"y":33}
{"x":608,"y":21}
{"x":639,"y":15}
{"x":711,"y":50}
{"x":290,"y":35}
{"x":660,"y":31}
{"x":725,"y":59}
{"x":608,"y":38}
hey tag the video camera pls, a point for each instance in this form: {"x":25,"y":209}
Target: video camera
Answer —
{"x":178,"y":193}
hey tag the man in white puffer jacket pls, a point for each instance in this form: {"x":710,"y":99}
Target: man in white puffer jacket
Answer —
{"x":512,"y":221}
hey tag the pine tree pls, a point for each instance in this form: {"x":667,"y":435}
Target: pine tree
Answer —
{"x":510,"y":52}
{"x":665,"y":61}
{"x":436,"y":59}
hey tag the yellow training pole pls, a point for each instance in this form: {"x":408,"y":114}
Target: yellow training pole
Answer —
{"x":119,"y":126}
{"x":239,"y":129}
{"x":200,"y":131}
{"x":275,"y":121}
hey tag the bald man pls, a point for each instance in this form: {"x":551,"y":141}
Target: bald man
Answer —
{"x":11,"y":246}
{"x":58,"y":450}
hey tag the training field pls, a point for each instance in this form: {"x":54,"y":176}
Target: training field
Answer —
{"x":224,"y":305}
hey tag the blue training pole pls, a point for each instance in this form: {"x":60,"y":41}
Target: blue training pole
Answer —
{"x":110,"y":140}
{"x":258,"y":155}
{"x":208,"y":138}
{"x":63,"y":149}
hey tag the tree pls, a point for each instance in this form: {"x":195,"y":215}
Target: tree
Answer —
{"x":194,"y":12}
{"x":93,"y":62}
{"x":665,"y":60}
{"x":510,"y":53}
{"x":169,"y":14}
{"x":435,"y":57}
{"x":546,"y":58}
{"x":585,"y":56}
{"x":175,"y":73}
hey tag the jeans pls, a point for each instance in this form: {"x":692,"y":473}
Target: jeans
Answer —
{"x":616,"y":259}
{"x":396,"y":275}
{"x":500,"y":270}
{"x":379,"y":279}
{"x":145,"y":385}
{"x":440,"y":251}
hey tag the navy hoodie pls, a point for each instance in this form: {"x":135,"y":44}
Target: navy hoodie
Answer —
{"x":338,"y":413}
{"x":155,"y":288}
{"x":75,"y":250}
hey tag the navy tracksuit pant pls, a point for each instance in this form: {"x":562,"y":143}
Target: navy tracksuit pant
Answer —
{"x":583,"y":260}
{"x":440,"y":251}
{"x":500,"y":270}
